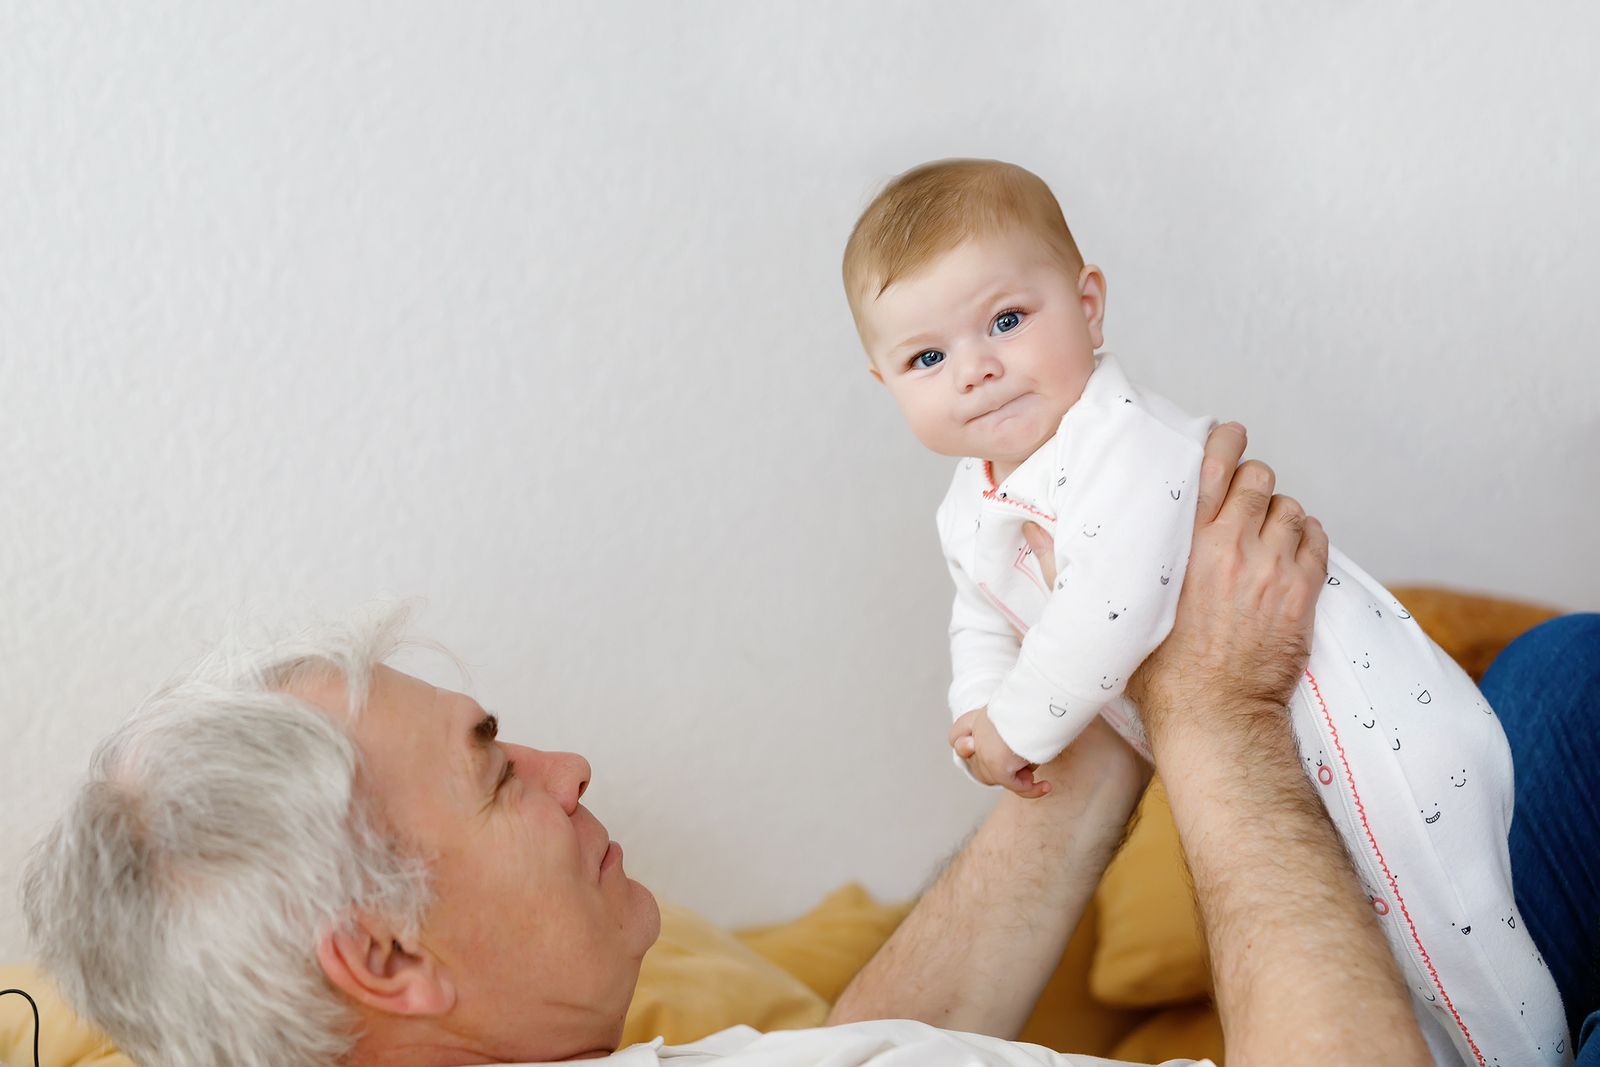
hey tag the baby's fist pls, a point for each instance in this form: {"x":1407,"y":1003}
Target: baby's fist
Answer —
{"x":990,"y":759}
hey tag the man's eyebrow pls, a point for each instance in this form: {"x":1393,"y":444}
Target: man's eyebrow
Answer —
{"x":482,"y":736}
{"x":485,"y":730}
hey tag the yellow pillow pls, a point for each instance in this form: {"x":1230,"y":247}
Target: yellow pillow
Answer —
{"x":827,"y":946}
{"x":64,"y":1039}
{"x":1151,"y":951}
{"x":1190,"y":1031}
{"x":698,"y":979}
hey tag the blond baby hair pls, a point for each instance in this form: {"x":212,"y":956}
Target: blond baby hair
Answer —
{"x":931,"y":209}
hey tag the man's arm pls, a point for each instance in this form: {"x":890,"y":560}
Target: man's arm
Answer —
{"x":976,"y":951}
{"x":1301,"y":969}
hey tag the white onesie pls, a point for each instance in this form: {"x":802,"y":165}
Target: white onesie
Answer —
{"x":1408,"y":757}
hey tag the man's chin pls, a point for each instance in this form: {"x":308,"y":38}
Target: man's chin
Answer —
{"x":649,"y":913}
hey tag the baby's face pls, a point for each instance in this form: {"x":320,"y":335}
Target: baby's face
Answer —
{"x":987,"y":346}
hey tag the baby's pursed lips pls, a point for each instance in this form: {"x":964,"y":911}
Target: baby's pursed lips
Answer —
{"x":990,"y":408}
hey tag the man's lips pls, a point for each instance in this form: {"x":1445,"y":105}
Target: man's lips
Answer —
{"x":612,"y":857}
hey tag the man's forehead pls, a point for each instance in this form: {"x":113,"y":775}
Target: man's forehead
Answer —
{"x":425,"y":736}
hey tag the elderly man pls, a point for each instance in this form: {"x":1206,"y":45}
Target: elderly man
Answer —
{"x":306,"y":857}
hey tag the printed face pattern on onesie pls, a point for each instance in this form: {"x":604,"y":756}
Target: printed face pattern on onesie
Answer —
{"x":1431,"y":819}
{"x":1320,"y":770}
{"x":1166,"y":573}
{"x":1461,"y":784}
{"x":1113,"y":613}
{"x":1364,"y":661}
{"x":1091,"y":531}
{"x":1108,"y":682}
{"x":1421,"y":695}
{"x":1175,"y":489}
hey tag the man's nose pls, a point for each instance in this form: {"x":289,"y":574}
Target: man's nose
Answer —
{"x":976,"y":365}
{"x":564,"y":775}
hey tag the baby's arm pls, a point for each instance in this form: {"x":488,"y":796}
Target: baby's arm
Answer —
{"x":1121,"y":544}
{"x":983,"y":644}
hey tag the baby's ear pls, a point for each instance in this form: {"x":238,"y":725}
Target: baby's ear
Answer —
{"x":875,"y":372}
{"x":1092,"y":297}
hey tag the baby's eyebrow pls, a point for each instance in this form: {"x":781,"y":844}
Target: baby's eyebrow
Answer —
{"x":921,"y":340}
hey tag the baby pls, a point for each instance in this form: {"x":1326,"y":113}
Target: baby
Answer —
{"x":982,"y":320}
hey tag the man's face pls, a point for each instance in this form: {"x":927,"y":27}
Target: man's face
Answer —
{"x":986,"y":347}
{"x":531,"y":902}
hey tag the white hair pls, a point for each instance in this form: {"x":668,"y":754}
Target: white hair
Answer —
{"x":219,"y":834}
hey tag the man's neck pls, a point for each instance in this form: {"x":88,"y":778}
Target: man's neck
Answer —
{"x":389,"y":1041}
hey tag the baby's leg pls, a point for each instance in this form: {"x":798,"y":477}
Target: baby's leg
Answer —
{"x":1415,"y":772}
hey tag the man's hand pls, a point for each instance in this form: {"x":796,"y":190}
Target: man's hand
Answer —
{"x":1245,"y":616}
{"x":990,"y":759}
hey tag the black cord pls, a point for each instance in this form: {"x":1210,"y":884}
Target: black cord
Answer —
{"x":24,"y":993}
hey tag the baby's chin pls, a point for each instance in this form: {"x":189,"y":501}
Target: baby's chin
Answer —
{"x":1012,"y":439}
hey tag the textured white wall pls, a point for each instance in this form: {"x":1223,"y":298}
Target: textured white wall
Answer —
{"x":532,"y":309}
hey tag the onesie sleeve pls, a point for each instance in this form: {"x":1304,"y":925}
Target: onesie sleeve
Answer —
{"x":983,"y":646}
{"x":1124,"y":524}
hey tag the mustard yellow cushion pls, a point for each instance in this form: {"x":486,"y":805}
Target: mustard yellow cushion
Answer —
{"x":1150,"y":951}
{"x":64,"y":1039}
{"x":1189,"y":1030}
{"x":827,"y":946}
{"x":698,"y":979}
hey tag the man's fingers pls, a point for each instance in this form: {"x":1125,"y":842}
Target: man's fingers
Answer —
{"x":1313,"y":551}
{"x":1284,"y":525}
{"x":1224,"y":449}
{"x":1044,"y":550}
{"x":1249,"y":495}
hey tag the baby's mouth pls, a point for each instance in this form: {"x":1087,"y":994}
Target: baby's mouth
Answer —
{"x":997,"y":409}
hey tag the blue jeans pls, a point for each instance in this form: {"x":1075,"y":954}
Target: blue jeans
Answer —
{"x":1546,"y":689}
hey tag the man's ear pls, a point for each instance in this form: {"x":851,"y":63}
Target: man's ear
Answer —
{"x":368,"y":961}
{"x":1092,"y":296}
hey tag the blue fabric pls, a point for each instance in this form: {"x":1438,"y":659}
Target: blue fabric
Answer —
{"x":1546,"y":689}
{"x":1589,"y":1051}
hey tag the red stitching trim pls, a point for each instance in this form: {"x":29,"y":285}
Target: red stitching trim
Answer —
{"x":1011,"y":616}
{"x":1021,"y":564}
{"x":991,"y":494}
{"x":1373,"y":841}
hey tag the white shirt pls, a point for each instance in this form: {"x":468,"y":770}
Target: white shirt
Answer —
{"x":879,"y":1043}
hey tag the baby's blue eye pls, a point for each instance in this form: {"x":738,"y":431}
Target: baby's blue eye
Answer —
{"x":1005,"y":322}
{"x":931,"y":358}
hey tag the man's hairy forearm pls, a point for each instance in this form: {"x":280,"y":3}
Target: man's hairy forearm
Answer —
{"x":1301,"y":968}
{"x":978,"y":948}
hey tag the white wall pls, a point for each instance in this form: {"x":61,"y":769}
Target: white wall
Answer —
{"x":532,"y":309}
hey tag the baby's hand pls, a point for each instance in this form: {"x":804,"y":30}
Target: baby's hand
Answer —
{"x":990,"y":759}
